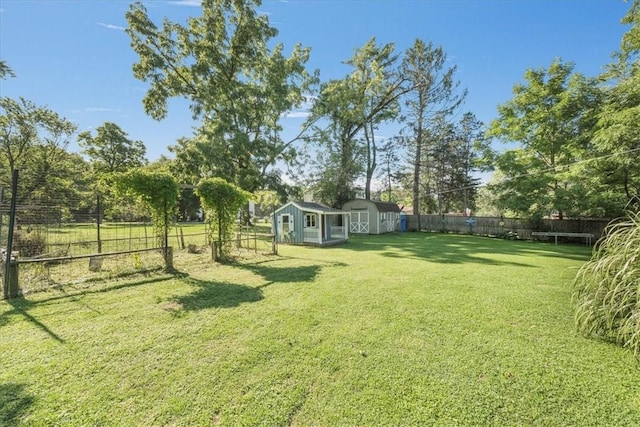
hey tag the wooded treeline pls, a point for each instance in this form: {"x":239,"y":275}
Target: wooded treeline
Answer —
{"x":577,"y":136}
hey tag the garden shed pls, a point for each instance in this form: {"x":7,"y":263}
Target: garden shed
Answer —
{"x":307,"y":223}
{"x":372,"y":217}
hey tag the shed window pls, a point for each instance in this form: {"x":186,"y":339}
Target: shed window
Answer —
{"x":310,"y":220}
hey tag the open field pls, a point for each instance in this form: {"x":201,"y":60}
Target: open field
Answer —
{"x":411,"y":329}
{"x":116,"y":260}
{"x":82,"y":238}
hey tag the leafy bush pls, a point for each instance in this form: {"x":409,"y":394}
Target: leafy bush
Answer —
{"x":29,"y":243}
{"x":607,"y":288}
{"x":158,"y":191}
{"x":221,"y":200}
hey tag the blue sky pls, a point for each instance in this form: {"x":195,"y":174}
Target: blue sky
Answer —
{"x":74,"y":57}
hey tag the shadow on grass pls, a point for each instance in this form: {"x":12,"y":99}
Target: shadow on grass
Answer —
{"x":21,"y":306}
{"x":14,"y":404}
{"x":209,"y":294}
{"x":271,"y":275}
{"x":71,"y":291}
{"x":459,"y":249}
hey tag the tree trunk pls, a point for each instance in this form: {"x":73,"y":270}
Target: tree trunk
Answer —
{"x":416,"y":178}
{"x":344,"y":174}
{"x":371,"y":159}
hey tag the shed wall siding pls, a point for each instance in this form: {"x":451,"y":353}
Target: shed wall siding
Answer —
{"x":376,"y":226}
{"x":298,"y":222}
{"x":368,"y":206}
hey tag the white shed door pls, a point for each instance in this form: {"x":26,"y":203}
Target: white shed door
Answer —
{"x":391,"y":221}
{"x":285,"y":227}
{"x":359,"y":222}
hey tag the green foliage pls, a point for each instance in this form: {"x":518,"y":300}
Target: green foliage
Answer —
{"x":158,"y":191}
{"x":34,"y":140}
{"x":630,"y":44}
{"x":617,"y":138}
{"x":352,"y":108}
{"x":434,"y":94}
{"x":451,"y":161}
{"x":267,"y":201}
{"x":5,"y":70}
{"x":221,"y":201}
{"x":110,"y":150}
{"x":111,"y":153}
{"x":552,"y":116}
{"x":29,"y":243}
{"x":237,"y":82}
{"x":607,"y":288}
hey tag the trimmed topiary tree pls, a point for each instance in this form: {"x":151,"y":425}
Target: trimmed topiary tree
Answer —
{"x":607,"y":288}
{"x":221,"y":201}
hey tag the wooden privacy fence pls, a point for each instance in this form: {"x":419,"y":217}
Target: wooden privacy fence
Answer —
{"x":495,"y":226}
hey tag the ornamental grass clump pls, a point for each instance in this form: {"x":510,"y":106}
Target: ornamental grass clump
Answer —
{"x":607,"y":287}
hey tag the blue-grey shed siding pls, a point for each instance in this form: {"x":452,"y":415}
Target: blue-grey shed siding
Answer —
{"x":298,"y":222}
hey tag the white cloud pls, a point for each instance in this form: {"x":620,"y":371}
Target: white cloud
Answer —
{"x":111,"y":26}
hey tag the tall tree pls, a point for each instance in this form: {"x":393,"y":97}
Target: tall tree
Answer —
{"x":32,"y":139}
{"x":111,"y":150}
{"x":391,"y":166}
{"x":455,"y":153}
{"x":551,"y":116}
{"x":618,"y":130}
{"x":470,"y":149}
{"x":379,"y":85}
{"x":434,"y":91}
{"x":237,"y":82}
{"x":337,"y":150}
{"x":353,"y":107}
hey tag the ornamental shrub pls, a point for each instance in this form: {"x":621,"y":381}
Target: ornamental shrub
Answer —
{"x":607,"y":288}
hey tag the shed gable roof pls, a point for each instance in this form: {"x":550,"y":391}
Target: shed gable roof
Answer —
{"x":380,"y":206}
{"x":312,"y":207}
{"x":386,"y":206}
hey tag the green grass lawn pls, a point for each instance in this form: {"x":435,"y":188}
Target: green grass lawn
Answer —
{"x":411,"y":329}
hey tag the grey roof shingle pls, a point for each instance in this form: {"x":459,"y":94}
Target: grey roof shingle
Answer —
{"x":386,"y":206}
{"x":315,"y":206}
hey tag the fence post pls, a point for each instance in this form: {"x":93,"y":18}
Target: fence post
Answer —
{"x":214,"y":250}
{"x":182,"y":246}
{"x":12,"y":288}
{"x":11,"y":272}
{"x":98,"y":208}
{"x":274,"y":245}
{"x":168,"y":257}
